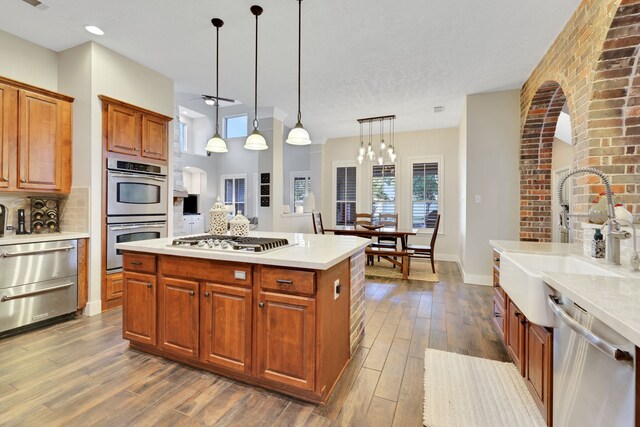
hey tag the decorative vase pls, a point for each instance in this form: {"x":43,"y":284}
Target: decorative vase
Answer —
{"x":218,"y":218}
{"x":239,"y":225}
{"x":598,"y":210}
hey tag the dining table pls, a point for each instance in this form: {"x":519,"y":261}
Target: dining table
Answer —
{"x":357,"y":230}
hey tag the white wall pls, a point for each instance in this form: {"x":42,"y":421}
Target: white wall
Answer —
{"x":426,"y":143}
{"x":492,"y":174}
{"x":27,"y":62}
{"x":462,"y":184}
{"x":296,"y":159}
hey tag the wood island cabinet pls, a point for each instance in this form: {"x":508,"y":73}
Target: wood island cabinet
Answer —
{"x":539,"y":367}
{"x":139,"y":308}
{"x":226,"y":321}
{"x":515,"y":329}
{"x":280,"y":328}
{"x":35,"y":146}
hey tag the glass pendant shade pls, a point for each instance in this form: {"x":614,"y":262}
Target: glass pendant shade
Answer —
{"x":298,"y":136}
{"x":255,"y":141}
{"x":216,"y":145}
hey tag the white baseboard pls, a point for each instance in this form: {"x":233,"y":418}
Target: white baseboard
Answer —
{"x":447,"y":257}
{"x":473,"y":279}
{"x":92,"y":308}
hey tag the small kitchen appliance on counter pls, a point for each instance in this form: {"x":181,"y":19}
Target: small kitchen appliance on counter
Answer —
{"x":3,"y":219}
{"x":21,"y":227}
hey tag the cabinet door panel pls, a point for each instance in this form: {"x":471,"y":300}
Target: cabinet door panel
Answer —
{"x":539,"y":366}
{"x":178,"y":316}
{"x":286,"y":339}
{"x":227,"y":326}
{"x":114,"y":286}
{"x":139,"y":308}
{"x":515,"y":335}
{"x":154,"y":138}
{"x":8,"y":133}
{"x":123,"y":134}
{"x":44,"y":143}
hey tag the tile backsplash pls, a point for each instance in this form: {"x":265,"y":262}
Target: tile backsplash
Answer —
{"x":74,"y":215}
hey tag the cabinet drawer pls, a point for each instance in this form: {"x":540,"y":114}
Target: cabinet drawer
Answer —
{"x":285,"y":280}
{"x":496,"y":258}
{"x":143,"y":263}
{"x":202,"y":269}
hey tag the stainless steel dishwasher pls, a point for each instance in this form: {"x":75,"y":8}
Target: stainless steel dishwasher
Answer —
{"x":593,"y":370}
{"x":38,"y":283}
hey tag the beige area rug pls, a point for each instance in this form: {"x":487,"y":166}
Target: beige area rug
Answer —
{"x":420,"y":270}
{"x":470,"y":391}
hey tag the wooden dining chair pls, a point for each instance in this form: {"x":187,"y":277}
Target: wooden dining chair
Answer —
{"x":426,"y":251}
{"x":364,"y":219}
{"x":387,"y":220}
{"x":318,"y":228}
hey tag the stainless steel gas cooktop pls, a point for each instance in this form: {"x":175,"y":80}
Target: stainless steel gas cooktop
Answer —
{"x":230,"y":243}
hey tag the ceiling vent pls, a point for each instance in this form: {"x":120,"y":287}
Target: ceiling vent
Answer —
{"x":37,"y":4}
{"x":438,"y":109}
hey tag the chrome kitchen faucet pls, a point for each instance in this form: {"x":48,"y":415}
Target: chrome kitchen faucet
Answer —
{"x":614,"y":231}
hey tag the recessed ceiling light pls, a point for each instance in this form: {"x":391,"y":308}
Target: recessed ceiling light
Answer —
{"x":94,"y":30}
{"x":438,"y":109}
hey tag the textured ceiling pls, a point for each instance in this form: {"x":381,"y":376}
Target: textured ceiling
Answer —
{"x":360,"y":57}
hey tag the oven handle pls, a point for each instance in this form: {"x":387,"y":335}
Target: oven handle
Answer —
{"x":134,"y":227}
{"x":29,"y":294}
{"x":135,"y":175}
{"x":587,"y":334}
{"x":35,"y":252}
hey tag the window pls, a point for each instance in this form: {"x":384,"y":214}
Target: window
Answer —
{"x":345,"y":195}
{"x":300,"y":184}
{"x":236,"y":126}
{"x":184,"y":133}
{"x":426,"y":197}
{"x":234,"y":190}
{"x":383,"y":189}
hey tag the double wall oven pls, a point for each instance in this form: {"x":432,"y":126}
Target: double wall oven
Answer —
{"x":136,"y":205}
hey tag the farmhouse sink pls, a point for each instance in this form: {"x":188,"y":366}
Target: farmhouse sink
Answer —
{"x":520,"y":277}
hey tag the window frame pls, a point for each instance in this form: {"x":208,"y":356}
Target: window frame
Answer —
{"x":183,"y":136}
{"x":233,"y":116}
{"x":233,"y":177}
{"x":292,"y":177}
{"x":439,"y":159}
{"x":395,"y":174}
{"x":334,"y":181}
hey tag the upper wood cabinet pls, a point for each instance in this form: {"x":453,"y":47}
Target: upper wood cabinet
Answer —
{"x":35,"y":127}
{"x":134,"y":131}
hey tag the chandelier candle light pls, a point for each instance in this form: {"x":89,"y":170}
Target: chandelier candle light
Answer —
{"x":256,"y":141}
{"x":216,"y":144}
{"x":386,"y":150}
{"x":298,"y":135}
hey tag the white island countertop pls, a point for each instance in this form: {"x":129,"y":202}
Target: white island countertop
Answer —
{"x":18,"y":239}
{"x":309,"y":251}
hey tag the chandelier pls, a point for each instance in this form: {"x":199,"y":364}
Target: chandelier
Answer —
{"x":386,"y":151}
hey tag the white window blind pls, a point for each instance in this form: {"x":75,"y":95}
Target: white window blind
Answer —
{"x":383,"y":189}
{"x":345,"y":195}
{"x":424,"y":208}
{"x":301,"y":185}
{"x":235,"y":193}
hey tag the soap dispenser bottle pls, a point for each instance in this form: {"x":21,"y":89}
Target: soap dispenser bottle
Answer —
{"x":597,"y":244}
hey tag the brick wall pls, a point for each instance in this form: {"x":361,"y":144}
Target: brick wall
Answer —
{"x":357,"y":299}
{"x":593,"y":64}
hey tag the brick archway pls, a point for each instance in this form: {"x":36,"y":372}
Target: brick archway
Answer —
{"x":535,"y":162}
{"x":613,"y":127}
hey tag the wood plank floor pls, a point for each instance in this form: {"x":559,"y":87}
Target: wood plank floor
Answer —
{"x":82,"y":372}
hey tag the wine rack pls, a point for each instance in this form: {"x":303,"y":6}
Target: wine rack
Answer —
{"x":45,"y":215}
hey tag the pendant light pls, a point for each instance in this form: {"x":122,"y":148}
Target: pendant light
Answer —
{"x":216,"y":144}
{"x":298,"y":135}
{"x":256,"y":141}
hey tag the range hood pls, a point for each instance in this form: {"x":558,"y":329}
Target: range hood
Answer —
{"x":180,"y":193}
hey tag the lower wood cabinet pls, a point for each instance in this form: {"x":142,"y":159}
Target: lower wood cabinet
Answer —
{"x":178,"y":316}
{"x":286,"y":339}
{"x":226,"y":326}
{"x":539,"y":366}
{"x":139,"y":308}
{"x":515,"y":334}
{"x":114,"y":287}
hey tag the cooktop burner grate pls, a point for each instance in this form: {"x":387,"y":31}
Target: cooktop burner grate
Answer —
{"x":223,"y":242}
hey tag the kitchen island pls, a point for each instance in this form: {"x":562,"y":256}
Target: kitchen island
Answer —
{"x":287,"y":319}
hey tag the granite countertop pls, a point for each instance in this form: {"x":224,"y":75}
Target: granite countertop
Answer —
{"x":613,"y":300}
{"x":15,"y":239}
{"x":311,"y":251}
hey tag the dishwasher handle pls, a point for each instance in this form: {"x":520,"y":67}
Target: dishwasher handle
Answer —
{"x":593,"y":339}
